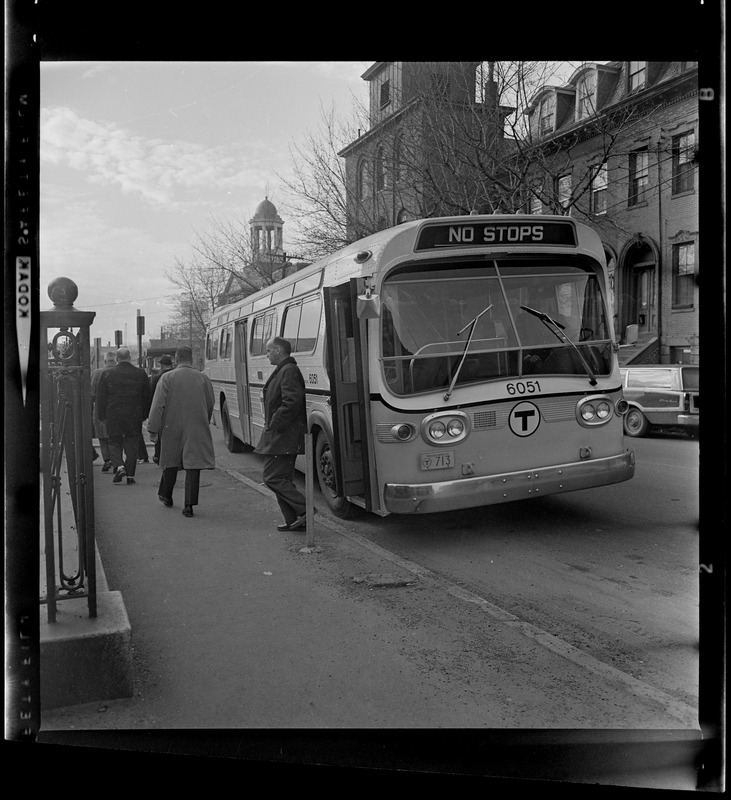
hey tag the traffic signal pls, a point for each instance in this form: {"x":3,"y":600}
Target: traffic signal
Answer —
{"x":118,"y":338}
{"x":140,"y":326}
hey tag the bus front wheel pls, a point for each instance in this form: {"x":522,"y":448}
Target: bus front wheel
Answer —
{"x":327,"y":478}
{"x":635,"y":423}
{"x":232,"y":443}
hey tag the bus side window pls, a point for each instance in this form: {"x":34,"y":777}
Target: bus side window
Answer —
{"x":309,"y":324}
{"x":212,"y":346}
{"x":291,"y":324}
{"x":262,"y":331}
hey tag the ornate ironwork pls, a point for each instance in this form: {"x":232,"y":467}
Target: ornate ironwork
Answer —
{"x":67,"y":452}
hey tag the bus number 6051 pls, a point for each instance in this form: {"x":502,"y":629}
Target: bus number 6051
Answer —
{"x":529,"y":387}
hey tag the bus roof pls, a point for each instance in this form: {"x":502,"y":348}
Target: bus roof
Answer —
{"x":377,"y":243}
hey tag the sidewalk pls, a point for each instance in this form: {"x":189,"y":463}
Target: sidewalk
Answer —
{"x":234,"y":626}
{"x":244,"y":646}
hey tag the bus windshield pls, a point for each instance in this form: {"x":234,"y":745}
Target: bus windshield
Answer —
{"x":467,"y":321}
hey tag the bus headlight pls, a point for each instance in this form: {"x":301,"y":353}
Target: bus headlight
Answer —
{"x":455,"y":428}
{"x":437,"y":430}
{"x":445,"y":428}
{"x":603,"y":409}
{"x":593,"y":411}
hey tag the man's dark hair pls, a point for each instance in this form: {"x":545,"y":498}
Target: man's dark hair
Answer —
{"x":185,"y":354}
{"x":285,"y":344}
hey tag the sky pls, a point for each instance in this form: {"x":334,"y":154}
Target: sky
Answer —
{"x":138,"y":157}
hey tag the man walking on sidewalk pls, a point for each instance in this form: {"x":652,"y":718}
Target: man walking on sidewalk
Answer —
{"x":100,"y":428}
{"x":166,"y":364}
{"x":123,"y":397}
{"x":180,"y":417}
{"x":283,"y":438}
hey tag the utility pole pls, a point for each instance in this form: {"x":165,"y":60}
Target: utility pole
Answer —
{"x":140,"y":332}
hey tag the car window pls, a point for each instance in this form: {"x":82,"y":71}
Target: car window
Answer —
{"x":650,"y":378}
{"x":691,"y":379}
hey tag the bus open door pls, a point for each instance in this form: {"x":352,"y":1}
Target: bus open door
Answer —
{"x":345,"y":368}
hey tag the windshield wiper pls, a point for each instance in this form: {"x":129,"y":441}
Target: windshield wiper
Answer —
{"x":473,"y":324}
{"x":558,"y":331}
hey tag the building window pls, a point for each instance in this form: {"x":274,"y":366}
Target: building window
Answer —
{"x":385,"y":93}
{"x":361,"y":181}
{"x":403,"y":216}
{"x":380,"y":169}
{"x":585,"y":97}
{"x":683,"y":274}
{"x":639,"y":176}
{"x":546,"y":111}
{"x":397,"y":159}
{"x":534,"y":204}
{"x":563,"y":191}
{"x":599,"y":191}
{"x":683,"y":166}
{"x":637,"y":75}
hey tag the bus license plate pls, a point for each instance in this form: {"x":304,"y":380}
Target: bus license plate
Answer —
{"x":444,"y":459}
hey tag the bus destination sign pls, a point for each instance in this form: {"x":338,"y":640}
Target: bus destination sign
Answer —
{"x":433,"y":237}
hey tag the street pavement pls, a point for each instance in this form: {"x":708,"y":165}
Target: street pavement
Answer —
{"x":243,"y":635}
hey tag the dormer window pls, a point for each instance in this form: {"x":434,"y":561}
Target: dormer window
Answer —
{"x":585,"y":105}
{"x":546,"y":115}
{"x":637,"y":75}
{"x":385,"y":97}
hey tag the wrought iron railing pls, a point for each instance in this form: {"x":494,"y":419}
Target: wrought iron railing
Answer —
{"x":67,"y":453}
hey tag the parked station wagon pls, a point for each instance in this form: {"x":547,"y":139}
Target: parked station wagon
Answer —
{"x":662,"y":395}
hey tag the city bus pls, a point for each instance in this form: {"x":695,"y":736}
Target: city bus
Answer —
{"x":449,"y":363}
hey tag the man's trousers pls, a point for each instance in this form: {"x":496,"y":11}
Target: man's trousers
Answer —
{"x":124,"y":436}
{"x":192,"y":484}
{"x":278,"y":476}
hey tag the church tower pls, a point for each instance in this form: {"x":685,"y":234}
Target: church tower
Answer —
{"x":267,"y":230}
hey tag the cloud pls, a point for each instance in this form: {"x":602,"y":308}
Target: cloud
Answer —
{"x":160,"y":172}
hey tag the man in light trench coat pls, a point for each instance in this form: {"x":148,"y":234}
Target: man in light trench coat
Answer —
{"x":180,"y":415}
{"x":283,"y":438}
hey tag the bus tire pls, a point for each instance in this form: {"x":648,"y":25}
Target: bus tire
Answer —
{"x":635,"y":423}
{"x":232,"y":443}
{"x":327,"y":478}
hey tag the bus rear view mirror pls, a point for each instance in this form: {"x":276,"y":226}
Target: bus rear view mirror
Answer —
{"x":369,"y":306}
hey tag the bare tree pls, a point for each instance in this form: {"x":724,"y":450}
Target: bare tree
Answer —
{"x":319,"y":203}
{"x":482,"y":154}
{"x":460,"y":142}
{"x":225,"y":265}
{"x":200,"y":286}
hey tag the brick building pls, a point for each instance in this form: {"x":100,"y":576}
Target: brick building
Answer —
{"x":615,"y":147}
{"x":428,"y":127}
{"x":619,"y":149}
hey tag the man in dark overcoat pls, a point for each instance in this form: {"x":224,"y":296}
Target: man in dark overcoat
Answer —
{"x":283,"y":439}
{"x":180,"y":417}
{"x":100,"y":428}
{"x":122,"y":401}
{"x":166,"y":364}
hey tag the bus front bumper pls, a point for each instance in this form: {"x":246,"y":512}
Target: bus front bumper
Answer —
{"x":427,"y":498}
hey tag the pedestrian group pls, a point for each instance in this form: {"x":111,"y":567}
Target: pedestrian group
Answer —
{"x":178,"y":405}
